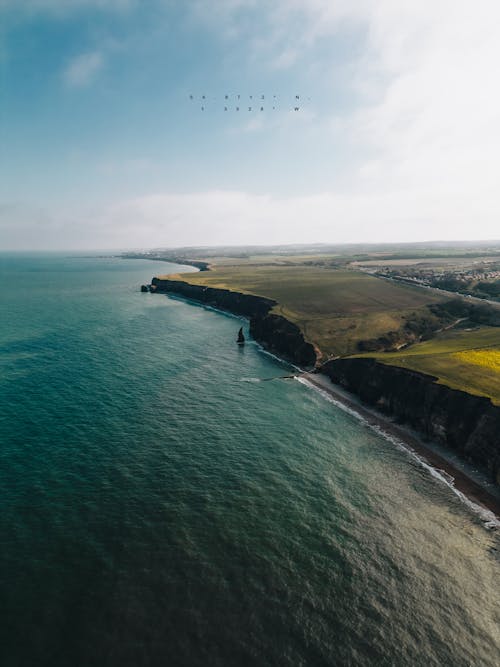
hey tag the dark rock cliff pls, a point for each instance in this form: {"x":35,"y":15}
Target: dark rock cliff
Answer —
{"x":279,"y":335}
{"x":468,"y":424}
{"x":273,"y":332}
{"x":234,"y":302}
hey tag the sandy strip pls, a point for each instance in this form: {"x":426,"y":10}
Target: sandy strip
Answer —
{"x":472,"y":490}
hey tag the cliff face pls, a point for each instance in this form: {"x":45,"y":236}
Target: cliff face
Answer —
{"x":468,"y":424}
{"x":234,"y":302}
{"x":279,"y":335}
{"x":273,"y":332}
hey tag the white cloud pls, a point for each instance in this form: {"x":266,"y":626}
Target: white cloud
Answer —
{"x":82,"y":70}
{"x":233,"y":217}
{"x":238,"y":217}
{"x":425,"y":129}
{"x":434,"y":126}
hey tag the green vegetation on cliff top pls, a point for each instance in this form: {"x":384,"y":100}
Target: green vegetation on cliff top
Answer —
{"x":335,"y":309}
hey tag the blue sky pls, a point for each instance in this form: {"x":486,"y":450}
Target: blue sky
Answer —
{"x":396,"y":137}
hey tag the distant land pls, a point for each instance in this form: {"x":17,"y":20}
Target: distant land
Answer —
{"x":412,"y":329}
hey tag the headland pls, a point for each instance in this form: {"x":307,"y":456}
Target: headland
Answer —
{"x":408,"y":354}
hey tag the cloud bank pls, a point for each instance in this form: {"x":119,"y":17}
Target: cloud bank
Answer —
{"x":230,"y":217}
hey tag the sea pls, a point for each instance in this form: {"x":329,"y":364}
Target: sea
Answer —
{"x":170,"y":498}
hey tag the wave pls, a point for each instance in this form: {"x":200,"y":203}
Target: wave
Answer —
{"x":283,"y":362}
{"x":275,"y":377}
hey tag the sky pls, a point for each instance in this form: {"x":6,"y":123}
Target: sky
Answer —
{"x":104,"y":143}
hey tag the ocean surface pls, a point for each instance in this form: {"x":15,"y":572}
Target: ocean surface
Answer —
{"x":162,"y":505}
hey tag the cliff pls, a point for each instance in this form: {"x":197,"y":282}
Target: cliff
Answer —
{"x":279,"y":335}
{"x":247,"y":305}
{"x":468,"y":424}
{"x":274,"y":332}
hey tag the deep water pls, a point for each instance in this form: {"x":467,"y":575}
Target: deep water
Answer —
{"x":161,"y":506}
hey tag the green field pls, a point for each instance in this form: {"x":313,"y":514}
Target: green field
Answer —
{"x":466,"y":360}
{"x":334,"y":308}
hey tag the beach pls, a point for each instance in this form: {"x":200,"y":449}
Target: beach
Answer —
{"x":470,"y":485}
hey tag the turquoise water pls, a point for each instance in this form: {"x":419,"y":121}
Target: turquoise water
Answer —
{"x":161,"y":506}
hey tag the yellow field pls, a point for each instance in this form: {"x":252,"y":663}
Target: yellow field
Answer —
{"x":487,"y":359}
{"x":465,"y":360}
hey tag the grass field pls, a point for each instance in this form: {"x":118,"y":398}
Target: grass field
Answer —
{"x":334,"y":308}
{"x":466,"y":360}
{"x":272,"y":259}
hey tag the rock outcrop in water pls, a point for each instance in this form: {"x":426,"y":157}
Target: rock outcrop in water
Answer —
{"x":468,"y":424}
{"x":274,"y":332}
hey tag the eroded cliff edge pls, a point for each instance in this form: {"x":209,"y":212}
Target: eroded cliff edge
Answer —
{"x":467,"y":424}
{"x":274,"y":332}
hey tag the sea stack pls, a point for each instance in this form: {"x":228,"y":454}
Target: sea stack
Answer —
{"x":241,"y":338}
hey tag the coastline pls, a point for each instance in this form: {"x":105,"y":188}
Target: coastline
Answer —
{"x":472,"y":487}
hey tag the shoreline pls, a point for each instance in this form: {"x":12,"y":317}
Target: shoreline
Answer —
{"x":470,"y":487}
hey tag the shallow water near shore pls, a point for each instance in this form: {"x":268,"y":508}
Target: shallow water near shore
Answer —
{"x":159,"y":507}
{"x":473,"y":487}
